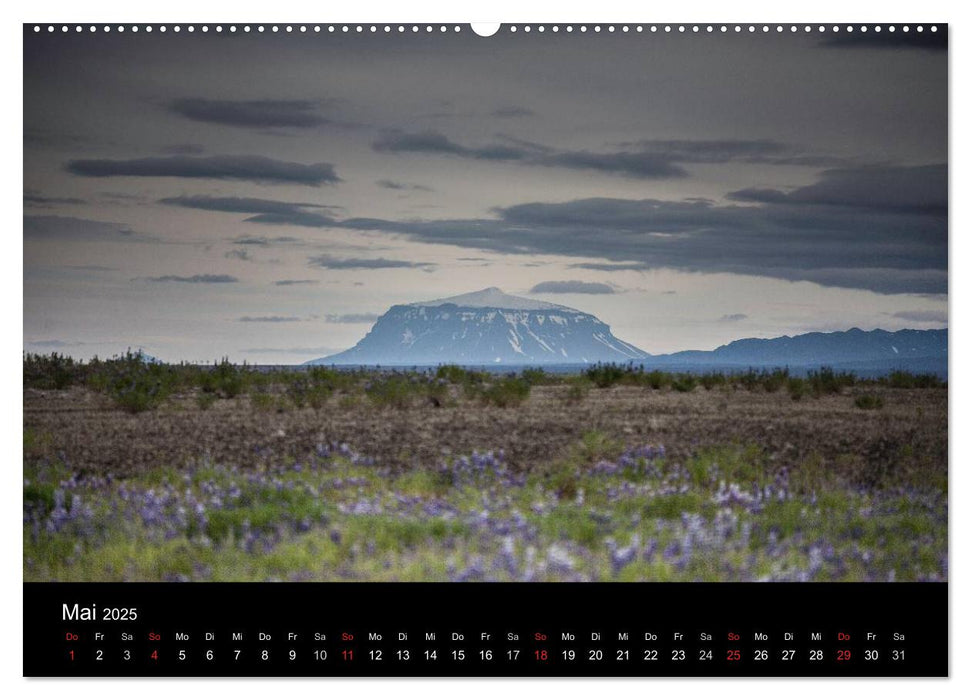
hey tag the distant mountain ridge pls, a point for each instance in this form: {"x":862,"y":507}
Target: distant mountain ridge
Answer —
{"x":808,"y":349}
{"x":487,"y":327}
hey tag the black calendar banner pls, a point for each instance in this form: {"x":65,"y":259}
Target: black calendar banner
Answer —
{"x":372,"y":629}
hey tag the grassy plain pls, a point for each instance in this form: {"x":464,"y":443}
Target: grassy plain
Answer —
{"x":451,"y":475}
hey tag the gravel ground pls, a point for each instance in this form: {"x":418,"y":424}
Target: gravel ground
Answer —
{"x":908,"y":435}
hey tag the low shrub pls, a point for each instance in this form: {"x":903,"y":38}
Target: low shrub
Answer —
{"x":536,"y":376}
{"x":684,"y":383}
{"x":657,"y":379}
{"x":394,"y":391}
{"x":826,"y":381}
{"x":868,"y":402}
{"x":798,"y":388}
{"x":605,"y":375}
{"x":774,"y":380}
{"x":225,"y":379}
{"x":577,"y":389}
{"x":907,"y":380}
{"x":709,"y":380}
{"x":52,"y":371}
{"x":134,"y":382}
{"x":505,"y":392}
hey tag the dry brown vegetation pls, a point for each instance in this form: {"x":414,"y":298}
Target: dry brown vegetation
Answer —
{"x":906,"y":436}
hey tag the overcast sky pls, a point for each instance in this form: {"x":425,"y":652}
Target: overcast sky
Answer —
{"x":265,"y":197}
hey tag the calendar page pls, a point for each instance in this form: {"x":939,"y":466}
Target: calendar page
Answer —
{"x":449,"y":350}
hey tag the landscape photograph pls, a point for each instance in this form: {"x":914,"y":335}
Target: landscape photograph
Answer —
{"x":564,"y":305}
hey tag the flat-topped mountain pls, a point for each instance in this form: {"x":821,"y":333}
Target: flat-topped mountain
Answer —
{"x":486,"y":327}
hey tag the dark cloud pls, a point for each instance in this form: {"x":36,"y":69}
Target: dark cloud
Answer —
{"x":916,"y":189}
{"x":431,"y":142}
{"x":263,"y":241}
{"x":265,"y":211}
{"x":295,"y":218}
{"x":885,"y":39}
{"x":633,"y":164}
{"x":572,"y":287}
{"x":883,"y":280}
{"x":260,"y":114}
{"x":512,"y":111}
{"x":611,"y":267}
{"x":257,"y":169}
{"x":195,"y":279}
{"x":422,"y":142}
{"x":38,"y":201}
{"x":293,"y":283}
{"x":351,"y":318}
{"x":73,"y":228}
{"x":183,"y":149}
{"x":331,"y":263}
{"x":751,"y":151}
{"x":646,"y":159}
{"x":242,"y":205}
{"x":238,"y":254}
{"x":923,"y":316}
{"x":392,"y":185}
{"x":269,"y":319}
{"x":879,"y":244}
{"x":733,"y":318}
{"x":761,"y":195}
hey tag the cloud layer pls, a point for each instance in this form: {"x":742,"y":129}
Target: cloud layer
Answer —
{"x":571,"y":287}
{"x":195,"y":279}
{"x":250,"y":113}
{"x":258,"y":169}
{"x":72,"y":228}
{"x":908,"y":190}
{"x":329,"y":262}
{"x":890,"y":236}
{"x":646,"y":159}
{"x":394,"y":185}
{"x":878,"y":228}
